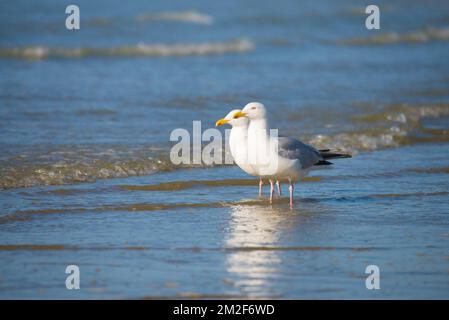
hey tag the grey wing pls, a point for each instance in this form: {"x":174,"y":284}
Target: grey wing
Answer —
{"x":291,"y":148}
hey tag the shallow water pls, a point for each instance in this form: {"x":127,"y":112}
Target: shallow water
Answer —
{"x":135,"y":238}
{"x":85,"y":178}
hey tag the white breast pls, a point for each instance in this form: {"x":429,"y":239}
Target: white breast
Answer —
{"x":238,"y":144}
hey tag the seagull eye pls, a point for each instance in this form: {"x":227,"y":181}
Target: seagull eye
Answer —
{"x":253,"y":108}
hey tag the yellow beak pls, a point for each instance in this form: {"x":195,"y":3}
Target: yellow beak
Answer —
{"x":239,"y":114}
{"x":221,"y":122}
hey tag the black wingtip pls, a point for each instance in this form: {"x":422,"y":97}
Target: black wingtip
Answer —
{"x":326,"y":154}
{"x":323,"y":163}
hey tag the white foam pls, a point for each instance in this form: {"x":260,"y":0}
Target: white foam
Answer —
{"x":191,"y":16}
{"x":141,"y":49}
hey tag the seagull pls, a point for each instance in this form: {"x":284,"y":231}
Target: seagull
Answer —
{"x":238,"y":144}
{"x":279,"y":158}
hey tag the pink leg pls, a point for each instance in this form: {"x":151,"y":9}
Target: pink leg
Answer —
{"x":291,"y":188}
{"x":260,"y":187}
{"x":271,"y":191}
{"x":278,"y":184}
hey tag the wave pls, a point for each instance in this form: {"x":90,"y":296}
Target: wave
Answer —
{"x":142,"y":49}
{"x":421,"y":36}
{"x":71,"y":164}
{"x":191,"y":16}
{"x":396,"y":125}
{"x":15,"y":173}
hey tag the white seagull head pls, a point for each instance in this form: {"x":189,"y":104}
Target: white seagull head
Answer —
{"x":254,"y":111}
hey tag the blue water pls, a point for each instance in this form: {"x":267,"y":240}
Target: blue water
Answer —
{"x":85,"y":120}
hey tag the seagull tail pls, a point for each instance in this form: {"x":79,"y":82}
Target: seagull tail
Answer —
{"x":328,"y":154}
